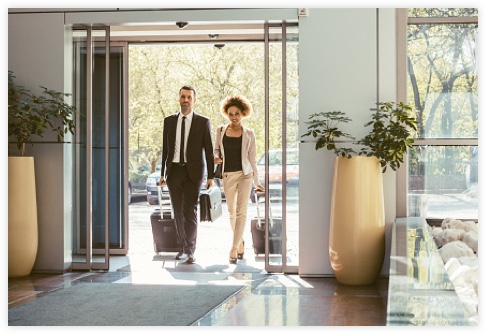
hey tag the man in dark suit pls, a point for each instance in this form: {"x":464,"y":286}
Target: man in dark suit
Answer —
{"x":183,"y":167}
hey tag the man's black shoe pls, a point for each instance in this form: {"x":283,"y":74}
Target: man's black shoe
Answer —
{"x":179,"y":255}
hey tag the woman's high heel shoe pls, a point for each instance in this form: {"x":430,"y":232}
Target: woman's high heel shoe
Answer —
{"x":232,"y":257}
{"x":240,"y":255}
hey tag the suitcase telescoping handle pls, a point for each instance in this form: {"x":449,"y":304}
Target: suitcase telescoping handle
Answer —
{"x":161,"y":204}
{"x":259,"y":222}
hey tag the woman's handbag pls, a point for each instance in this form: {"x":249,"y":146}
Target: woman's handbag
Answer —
{"x":218,"y":171}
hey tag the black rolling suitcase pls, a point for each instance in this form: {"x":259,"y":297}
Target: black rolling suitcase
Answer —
{"x":274,"y":232}
{"x":164,"y":229}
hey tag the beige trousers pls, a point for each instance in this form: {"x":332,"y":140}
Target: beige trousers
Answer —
{"x":237,"y":189}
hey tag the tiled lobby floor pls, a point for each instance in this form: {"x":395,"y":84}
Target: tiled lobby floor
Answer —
{"x":266,"y":300}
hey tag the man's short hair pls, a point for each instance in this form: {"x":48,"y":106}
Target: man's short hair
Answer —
{"x":188,"y":87}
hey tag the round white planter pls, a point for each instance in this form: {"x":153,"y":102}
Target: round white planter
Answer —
{"x":22,"y":216}
{"x":357,"y":223}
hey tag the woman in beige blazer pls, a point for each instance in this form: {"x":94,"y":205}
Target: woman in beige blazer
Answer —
{"x":235,"y":148}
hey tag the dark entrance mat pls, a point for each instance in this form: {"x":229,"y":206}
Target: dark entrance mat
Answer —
{"x":116,"y":304}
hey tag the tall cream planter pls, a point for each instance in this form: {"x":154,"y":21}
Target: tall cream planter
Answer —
{"x":22,"y":216}
{"x":357,"y":224}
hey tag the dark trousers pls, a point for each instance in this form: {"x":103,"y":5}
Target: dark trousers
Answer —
{"x":184,"y":194}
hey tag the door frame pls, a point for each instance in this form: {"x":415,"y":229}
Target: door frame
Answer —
{"x":272,"y":267}
{"x":89,"y":263}
{"x":284,"y":267}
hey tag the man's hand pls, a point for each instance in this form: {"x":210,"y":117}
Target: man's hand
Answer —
{"x":161,"y":182}
{"x":209,"y":183}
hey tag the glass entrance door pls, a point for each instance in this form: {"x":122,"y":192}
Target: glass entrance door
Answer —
{"x":265,"y":70}
{"x":281,"y":160}
{"x":99,"y":226}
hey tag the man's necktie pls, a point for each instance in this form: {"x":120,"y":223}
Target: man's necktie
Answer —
{"x":183,"y":131}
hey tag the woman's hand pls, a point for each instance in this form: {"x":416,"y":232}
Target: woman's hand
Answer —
{"x":217,"y":161}
{"x":260,"y":188}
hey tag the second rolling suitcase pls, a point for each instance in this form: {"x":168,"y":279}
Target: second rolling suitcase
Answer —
{"x":274,"y":240}
{"x":274,"y":233}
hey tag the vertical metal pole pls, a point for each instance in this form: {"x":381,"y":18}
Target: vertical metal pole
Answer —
{"x":103,"y":265}
{"x":267,"y":141}
{"x":89,"y":143}
{"x":107,"y":146}
{"x":377,"y":55}
{"x":402,"y":173}
{"x":284,"y":145}
{"x":125,"y":145}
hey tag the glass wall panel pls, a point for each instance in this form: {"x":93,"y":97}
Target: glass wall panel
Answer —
{"x":292,"y":143}
{"x":443,"y":81}
{"x":443,"y":89}
{"x":443,"y":182}
{"x":91,"y":206}
{"x":80,"y":217}
{"x":99,"y":193}
{"x":442,"y":12}
{"x":276,"y":154}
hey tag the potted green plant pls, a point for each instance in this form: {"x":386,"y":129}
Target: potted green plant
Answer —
{"x":32,"y":115}
{"x":388,"y":140}
{"x":29,"y":115}
{"x":357,"y":217}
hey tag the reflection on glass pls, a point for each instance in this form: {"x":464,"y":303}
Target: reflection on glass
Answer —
{"x":443,"y":82}
{"x":423,"y":295}
{"x":442,"y":12}
{"x":96,"y":129}
{"x":443,"y":182}
{"x":293,"y":138}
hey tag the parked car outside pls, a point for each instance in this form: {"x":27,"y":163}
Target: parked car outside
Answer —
{"x":136,"y":182}
{"x":275,"y":172}
{"x":472,"y":168}
{"x":275,"y":169}
{"x":152,"y":188}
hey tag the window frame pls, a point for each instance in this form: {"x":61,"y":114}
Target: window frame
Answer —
{"x":402,"y":21}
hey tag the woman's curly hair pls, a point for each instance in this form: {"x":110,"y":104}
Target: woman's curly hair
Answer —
{"x":239,"y":102}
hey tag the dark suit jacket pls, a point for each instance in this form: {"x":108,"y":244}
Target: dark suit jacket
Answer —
{"x":199,"y":143}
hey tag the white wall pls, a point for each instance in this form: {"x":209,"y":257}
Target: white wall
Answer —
{"x":36,"y":54}
{"x":338,"y":71}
